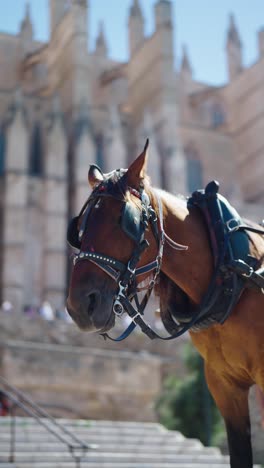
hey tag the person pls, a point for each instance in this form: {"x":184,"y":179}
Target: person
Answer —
{"x":46,"y":311}
{"x":30,"y":311}
{"x":4,"y":404}
{"x":6,"y":307}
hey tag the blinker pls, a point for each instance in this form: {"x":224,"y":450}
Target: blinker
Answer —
{"x":72,"y":233}
{"x":131,"y":222}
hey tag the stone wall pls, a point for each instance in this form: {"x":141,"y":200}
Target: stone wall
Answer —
{"x":92,"y":383}
{"x":80,"y":374}
{"x":76,"y":374}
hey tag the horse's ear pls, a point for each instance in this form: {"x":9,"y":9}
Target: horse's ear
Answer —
{"x":95,"y":175}
{"x":137,"y":170}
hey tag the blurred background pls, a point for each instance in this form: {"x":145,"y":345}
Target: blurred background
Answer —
{"x":86,"y":82}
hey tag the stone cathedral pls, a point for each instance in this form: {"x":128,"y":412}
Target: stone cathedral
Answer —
{"x":65,"y":104}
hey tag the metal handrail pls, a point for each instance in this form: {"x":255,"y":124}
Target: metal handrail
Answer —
{"x":76,"y":446}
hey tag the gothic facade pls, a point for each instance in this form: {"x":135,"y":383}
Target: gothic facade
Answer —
{"x":63,"y":106}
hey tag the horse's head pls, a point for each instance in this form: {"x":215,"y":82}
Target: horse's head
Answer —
{"x":110,"y":234}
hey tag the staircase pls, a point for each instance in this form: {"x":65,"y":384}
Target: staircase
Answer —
{"x":113,"y":445}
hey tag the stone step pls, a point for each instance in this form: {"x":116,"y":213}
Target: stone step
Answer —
{"x":55,"y":447}
{"x":77,"y":430}
{"x":6,"y":465}
{"x":39,"y":432}
{"x":94,"y":456}
{"x":106,"y":439}
{"x":121,"y":464}
{"x":125,"y":448}
{"x":104,"y":425}
{"x":45,"y":436}
{"x":119,"y":445}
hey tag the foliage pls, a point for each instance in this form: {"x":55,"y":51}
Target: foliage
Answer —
{"x":187,"y":406}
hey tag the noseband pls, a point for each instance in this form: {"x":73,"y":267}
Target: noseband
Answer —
{"x":134,"y":222}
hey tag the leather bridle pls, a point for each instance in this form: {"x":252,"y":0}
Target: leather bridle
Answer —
{"x":126,"y":275}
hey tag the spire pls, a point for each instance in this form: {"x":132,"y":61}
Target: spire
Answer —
{"x":27,"y":20}
{"x":135,"y":9}
{"x":233,"y":34}
{"x":233,"y":49}
{"x":185,"y":64}
{"x":26,"y":28}
{"x":101,"y":44}
{"x":163,"y":13}
{"x":136,"y":27}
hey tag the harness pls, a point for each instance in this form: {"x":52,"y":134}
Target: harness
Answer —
{"x":234,"y":268}
{"x":229,"y":278}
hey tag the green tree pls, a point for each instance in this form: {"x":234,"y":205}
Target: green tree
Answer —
{"x":187,"y":406}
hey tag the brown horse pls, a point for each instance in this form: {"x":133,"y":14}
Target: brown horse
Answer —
{"x":107,"y":233}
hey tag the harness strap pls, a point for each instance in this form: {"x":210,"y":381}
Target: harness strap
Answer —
{"x":245,"y":227}
{"x":146,"y":268}
{"x":247,"y":272}
{"x":131,"y":327}
{"x":101,"y":260}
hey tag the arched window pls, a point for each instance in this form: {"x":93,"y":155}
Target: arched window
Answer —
{"x":194,"y":170}
{"x":2,"y":151}
{"x":36,"y":152}
{"x":217,"y":115}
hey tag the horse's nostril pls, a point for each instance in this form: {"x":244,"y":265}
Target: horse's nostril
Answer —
{"x":93,"y":300}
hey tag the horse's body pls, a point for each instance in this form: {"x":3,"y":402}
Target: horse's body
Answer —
{"x":233,"y":352}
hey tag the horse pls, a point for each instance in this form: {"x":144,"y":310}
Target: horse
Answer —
{"x":129,"y":233}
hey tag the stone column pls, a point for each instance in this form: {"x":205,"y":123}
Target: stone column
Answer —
{"x":173,"y":155}
{"x":154,"y":160}
{"x":15,"y":203}
{"x":55,"y":211}
{"x":84,"y":155}
{"x":115,"y":149}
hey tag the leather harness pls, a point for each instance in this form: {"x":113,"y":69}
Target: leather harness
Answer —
{"x":234,"y":268}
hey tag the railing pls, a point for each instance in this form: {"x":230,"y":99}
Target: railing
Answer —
{"x":76,"y":446}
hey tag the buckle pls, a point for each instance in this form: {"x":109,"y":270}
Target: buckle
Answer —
{"x":250,"y":273}
{"x":118,"y":308}
{"x":235,"y":223}
{"x":130,"y":270}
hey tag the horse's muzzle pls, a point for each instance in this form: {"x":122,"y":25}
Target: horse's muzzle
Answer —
{"x":90,"y":311}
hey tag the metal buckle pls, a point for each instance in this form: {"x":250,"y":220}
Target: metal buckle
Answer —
{"x":138,"y":314}
{"x":118,"y":308}
{"x":234,"y":227}
{"x":130,"y":270}
{"x":248,"y":275}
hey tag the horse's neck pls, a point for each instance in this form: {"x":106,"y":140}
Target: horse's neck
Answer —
{"x":190,"y":269}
